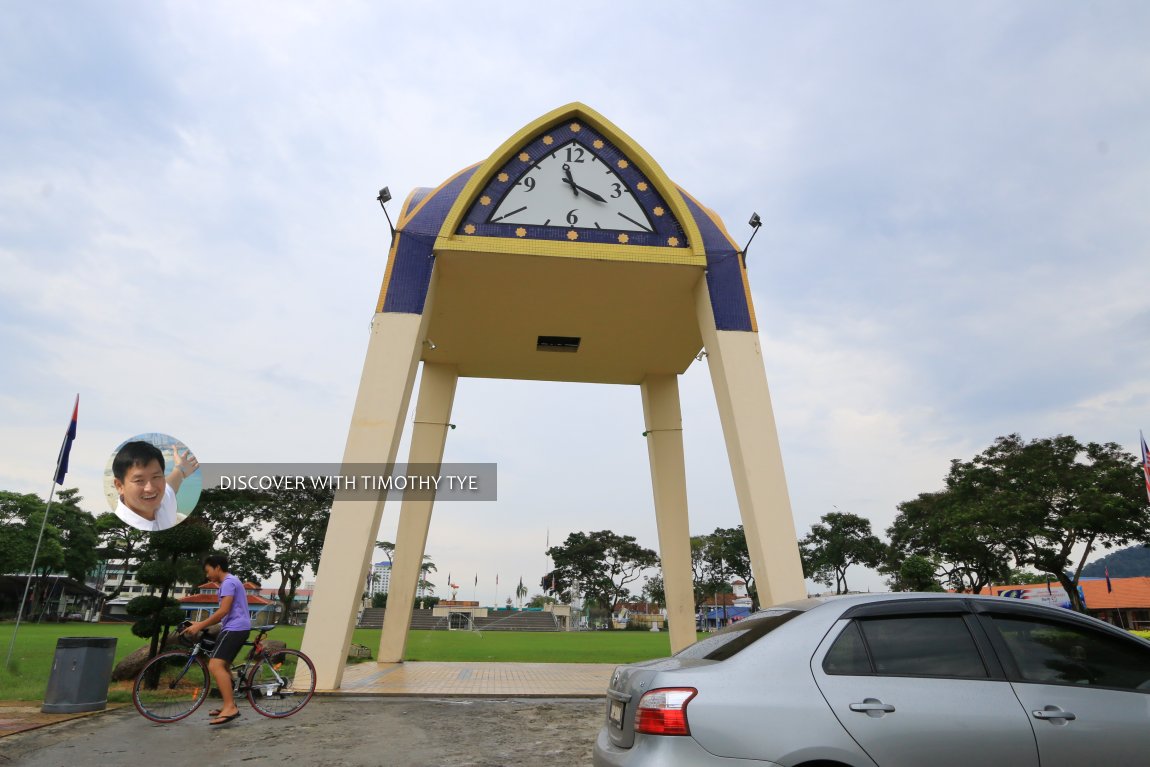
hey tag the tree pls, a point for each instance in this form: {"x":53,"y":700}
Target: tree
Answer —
{"x":425,"y":586}
{"x":1053,"y":496}
{"x":74,"y":533}
{"x":68,"y":545}
{"x":700,"y":569}
{"x":76,"y":530}
{"x":969,"y":548}
{"x":118,"y":542}
{"x":388,"y":549}
{"x":20,"y":516}
{"x":915,"y":573}
{"x":171,"y":557}
{"x":299,"y":520}
{"x":520,"y":592}
{"x":835,"y":543}
{"x":729,"y":546}
{"x":603,"y":563}
{"x":295,"y":520}
{"x":234,"y":517}
{"x":653,"y":590}
{"x":1017,"y":577}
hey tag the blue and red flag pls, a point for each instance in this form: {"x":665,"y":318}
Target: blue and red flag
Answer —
{"x":1145,"y":463}
{"x":1109,"y":588}
{"x":66,"y":448}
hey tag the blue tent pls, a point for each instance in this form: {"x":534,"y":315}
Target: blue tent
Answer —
{"x":714,"y":616}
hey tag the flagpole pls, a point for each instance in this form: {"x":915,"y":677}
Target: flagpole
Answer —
{"x":57,"y":479}
{"x":28,"y":580}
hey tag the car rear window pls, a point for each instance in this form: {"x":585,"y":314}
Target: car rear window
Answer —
{"x":911,"y":645}
{"x":732,"y":639}
{"x":923,"y":645}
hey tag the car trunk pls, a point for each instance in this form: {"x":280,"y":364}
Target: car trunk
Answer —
{"x":629,"y":683}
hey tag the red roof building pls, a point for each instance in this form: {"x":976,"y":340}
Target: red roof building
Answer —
{"x":201,"y":605}
{"x":1126,"y":604}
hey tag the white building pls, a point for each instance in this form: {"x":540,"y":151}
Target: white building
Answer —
{"x":379,"y":580}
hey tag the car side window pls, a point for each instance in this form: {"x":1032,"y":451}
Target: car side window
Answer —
{"x":1052,"y":652}
{"x":919,"y":645}
{"x":848,"y":654}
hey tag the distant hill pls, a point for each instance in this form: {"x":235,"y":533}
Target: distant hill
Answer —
{"x":1124,"y":563}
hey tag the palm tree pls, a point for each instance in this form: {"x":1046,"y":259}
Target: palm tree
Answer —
{"x":426,"y":586}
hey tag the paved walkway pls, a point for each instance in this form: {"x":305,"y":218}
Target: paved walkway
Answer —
{"x":411,"y":679}
{"x":485,"y":680}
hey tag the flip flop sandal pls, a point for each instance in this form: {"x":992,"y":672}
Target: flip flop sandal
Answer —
{"x":224,"y":719}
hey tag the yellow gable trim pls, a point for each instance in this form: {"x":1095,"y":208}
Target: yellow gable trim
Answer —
{"x":588,"y":250}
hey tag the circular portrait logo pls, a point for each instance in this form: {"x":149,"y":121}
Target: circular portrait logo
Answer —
{"x":152,"y":481}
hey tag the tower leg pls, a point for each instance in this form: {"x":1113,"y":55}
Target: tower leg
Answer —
{"x":664,"y":421}
{"x":740,"y":382}
{"x":393,"y":353}
{"x":432,"y":413}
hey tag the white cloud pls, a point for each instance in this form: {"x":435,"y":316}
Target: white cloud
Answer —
{"x":953,"y":243}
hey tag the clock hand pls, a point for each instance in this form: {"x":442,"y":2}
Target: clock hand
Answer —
{"x":570,"y":179}
{"x":590,"y":194}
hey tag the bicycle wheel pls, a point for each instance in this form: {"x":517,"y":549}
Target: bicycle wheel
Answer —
{"x":281,"y":683}
{"x":170,"y":687}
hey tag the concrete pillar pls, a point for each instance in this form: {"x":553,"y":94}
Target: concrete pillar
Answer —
{"x":432,"y":414}
{"x":664,"y":422}
{"x":744,"y":400}
{"x":393,"y":353}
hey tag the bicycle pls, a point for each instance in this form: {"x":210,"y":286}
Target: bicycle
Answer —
{"x":175,"y":683}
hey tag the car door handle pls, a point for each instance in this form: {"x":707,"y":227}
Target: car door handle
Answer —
{"x":1053,"y":712}
{"x":872,"y":707}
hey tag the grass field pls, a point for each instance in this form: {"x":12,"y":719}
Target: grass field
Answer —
{"x":36,"y":646}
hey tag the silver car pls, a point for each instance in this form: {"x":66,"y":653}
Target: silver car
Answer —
{"x":889,"y":680}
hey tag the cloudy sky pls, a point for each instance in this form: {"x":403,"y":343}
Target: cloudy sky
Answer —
{"x":954,"y":242}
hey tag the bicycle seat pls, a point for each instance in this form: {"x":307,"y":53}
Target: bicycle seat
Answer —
{"x":266,"y":628}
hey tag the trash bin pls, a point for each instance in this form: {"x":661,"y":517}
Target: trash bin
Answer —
{"x":81,"y":671}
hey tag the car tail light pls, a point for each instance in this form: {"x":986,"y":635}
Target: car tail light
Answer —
{"x":664,"y":711}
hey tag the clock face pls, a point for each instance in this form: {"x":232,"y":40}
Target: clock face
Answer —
{"x":571,"y":184}
{"x":571,"y":187}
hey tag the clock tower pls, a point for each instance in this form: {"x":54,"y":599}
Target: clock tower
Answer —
{"x":567,"y":255}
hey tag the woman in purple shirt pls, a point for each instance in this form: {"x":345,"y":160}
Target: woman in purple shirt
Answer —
{"x":237,"y":624}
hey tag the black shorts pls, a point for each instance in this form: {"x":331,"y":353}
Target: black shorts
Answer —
{"x":228,"y":644}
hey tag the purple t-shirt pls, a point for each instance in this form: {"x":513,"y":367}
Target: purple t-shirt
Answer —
{"x":237,"y":618}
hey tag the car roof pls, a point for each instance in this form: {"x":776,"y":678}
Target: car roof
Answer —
{"x":850,"y":600}
{"x":845,"y":602}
